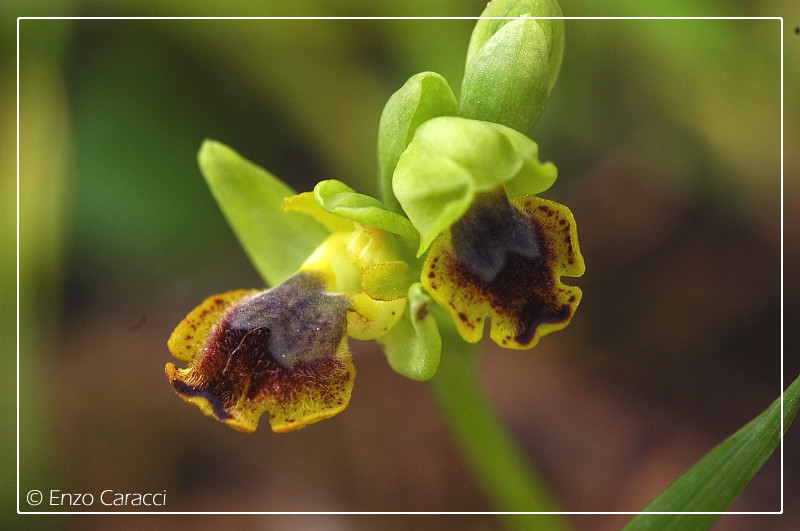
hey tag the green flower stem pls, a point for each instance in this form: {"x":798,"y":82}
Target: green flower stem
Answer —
{"x":497,"y":462}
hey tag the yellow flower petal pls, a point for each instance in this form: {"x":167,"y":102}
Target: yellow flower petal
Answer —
{"x":342,"y":260}
{"x":506,"y":263}
{"x":370,"y":319}
{"x":283,"y":350}
{"x":190,"y":335}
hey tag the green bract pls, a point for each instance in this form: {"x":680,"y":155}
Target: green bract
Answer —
{"x":451,"y":159}
{"x":424,"y":96}
{"x":512,"y":63}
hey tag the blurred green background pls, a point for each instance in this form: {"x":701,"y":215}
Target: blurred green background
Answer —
{"x":667,"y":137}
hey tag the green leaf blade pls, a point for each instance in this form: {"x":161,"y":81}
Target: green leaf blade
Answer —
{"x":251,"y":198}
{"x":712,"y":484}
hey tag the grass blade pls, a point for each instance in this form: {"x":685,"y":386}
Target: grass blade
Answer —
{"x":712,"y":484}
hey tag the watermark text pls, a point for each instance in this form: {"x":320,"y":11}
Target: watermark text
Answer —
{"x":106,"y":498}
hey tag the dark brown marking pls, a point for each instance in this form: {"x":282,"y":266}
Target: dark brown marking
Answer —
{"x":241,"y":357}
{"x":524,"y":290}
{"x":422,"y":312}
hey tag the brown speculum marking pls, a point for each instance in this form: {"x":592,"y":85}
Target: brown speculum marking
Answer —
{"x":521,"y":291}
{"x":503,"y":258}
{"x":238,"y":365}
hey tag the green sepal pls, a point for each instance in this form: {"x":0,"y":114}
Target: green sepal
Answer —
{"x":251,"y":198}
{"x":413,"y":346}
{"x":424,"y":96}
{"x":451,"y":159}
{"x":512,"y":64}
{"x":341,"y":200}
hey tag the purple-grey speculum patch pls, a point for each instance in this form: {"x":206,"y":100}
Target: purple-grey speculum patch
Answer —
{"x":298,"y":319}
{"x":490,"y":232}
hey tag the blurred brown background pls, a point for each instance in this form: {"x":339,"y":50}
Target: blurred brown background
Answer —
{"x":667,"y":138}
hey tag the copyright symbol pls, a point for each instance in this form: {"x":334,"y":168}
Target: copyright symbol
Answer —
{"x":34,"y":497}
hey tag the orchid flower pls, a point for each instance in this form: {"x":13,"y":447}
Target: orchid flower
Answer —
{"x":460,"y":227}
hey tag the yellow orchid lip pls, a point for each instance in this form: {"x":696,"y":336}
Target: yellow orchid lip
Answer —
{"x":504,"y":260}
{"x":283,"y":350}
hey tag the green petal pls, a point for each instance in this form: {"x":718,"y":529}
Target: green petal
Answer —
{"x":451,"y":159}
{"x":512,"y":64}
{"x":307,"y":203}
{"x":341,"y":200}
{"x":251,"y":198}
{"x":413,"y":347}
{"x":424,"y":96}
{"x":534,"y":177}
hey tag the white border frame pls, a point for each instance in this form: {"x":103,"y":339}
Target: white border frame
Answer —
{"x":779,"y":512}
